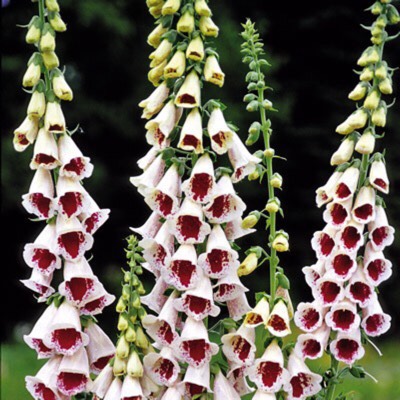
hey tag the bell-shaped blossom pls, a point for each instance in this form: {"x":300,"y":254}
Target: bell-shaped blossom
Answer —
{"x":156,"y":298}
{"x":172,"y":393}
{"x":71,"y":197}
{"x":364,"y":205}
{"x":278,"y":322}
{"x":39,"y":283}
{"x":191,"y":138}
{"x":73,"y":164}
{"x":35,"y":338}
{"x":73,"y":373}
{"x":243,"y":162}
{"x":102,"y":382}
{"x":347,"y":184}
{"x":165,"y":197}
{"x":229,"y":287}
{"x":198,"y":303}
{"x":162,"y":368}
{"x":100,"y":349}
{"x":93,"y":217}
{"x":162,"y":328}
{"x":268,"y":372}
{"x":223,"y":389}
{"x":40,"y":254}
{"x":115,"y":389}
{"x":150,"y":177}
{"x":347,"y":347}
{"x":323,"y":242}
{"x":39,"y":199}
{"x":378,"y":177}
{"x":312,"y":345}
{"x":374,"y":321}
{"x":149,"y":387}
{"x":71,"y":239}
{"x":302,"y":382}
{"x":343,"y":317}
{"x":65,"y":334}
{"x":350,"y":238}
{"x":96,"y":301}
{"x":150,"y":228}
{"x":219,"y":257}
{"x":189,"y":94}
{"x":338,"y":214}
{"x":376,"y":267}
{"x":329,"y":289}
{"x":194,"y":346}
{"x":258,"y":315}
{"x":237,"y":377}
{"x":239,"y":347}
{"x":313,"y":272}
{"x":196,"y":381}
{"x":238,"y":307}
{"x":45,"y":152}
{"x":325,"y":193}
{"x":131,"y":389}
{"x":234,"y":229}
{"x":145,"y":162}
{"x":154,"y":103}
{"x":25,"y":134}
{"x":359,"y":290}
{"x":343,"y":265}
{"x":381,"y":234}
{"x":225,"y":204}
{"x":309,"y":316}
{"x":221,"y":135}
{"x":188,"y":225}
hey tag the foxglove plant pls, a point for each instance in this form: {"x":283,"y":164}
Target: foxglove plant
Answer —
{"x":67,"y":333}
{"x":351,"y":264}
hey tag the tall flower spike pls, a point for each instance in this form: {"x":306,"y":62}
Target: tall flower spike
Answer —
{"x":351,"y":263}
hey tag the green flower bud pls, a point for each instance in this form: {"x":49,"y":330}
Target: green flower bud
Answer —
{"x":121,"y":306}
{"x":48,"y":39}
{"x":252,"y":106}
{"x":393,"y":15}
{"x":161,"y":53}
{"x":126,"y":292}
{"x":267,"y":104}
{"x":154,"y":3}
{"x":250,"y":221}
{"x":381,"y":21}
{"x":366,"y":143}
{"x":130,"y":334}
{"x":367,"y":74}
{"x":141,"y":339}
{"x":273,"y":205}
{"x":34,"y":31}
{"x":269,"y":153}
{"x":369,"y":56}
{"x":122,"y":350}
{"x":57,"y":23}
{"x":119,"y":367}
{"x":122,"y":323}
{"x":276,"y":180}
{"x":61,"y":88}
{"x":135,"y":300}
{"x":156,"y":73}
{"x":155,"y":11}
{"x":50,"y":60}
{"x":52,"y":5}
{"x":154,"y":38}
{"x":254,"y":175}
{"x":372,"y":100}
{"x":378,"y":116}
{"x":359,"y":91}
{"x":381,"y":70}
{"x":377,"y":8}
{"x":134,"y":367}
{"x":33,"y":72}
{"x":37,"y":104}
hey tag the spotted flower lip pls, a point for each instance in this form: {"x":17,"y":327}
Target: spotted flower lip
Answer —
{"x":93,"y":216}
{"x":45,"y":152}
{"x":73,"y":164}
{"x":338,"y":214}
{"x":329,"y":290}
{"x":161,"y":328}
{"x":278,"y":322}
{"x":114,"y":390}
{"x":71,"y":197}
{"x":40,"y":254}
{"x":189,"y":94}
{"x":96,"y":301}
{"x":102,"y":382}
{"x":324,"y":242}
{"x":237,"y":377}
{"x":162,"y":368}
{"x":313,"y":272}
{"x":156,"y":298}
{"x":380,"y":234}
{"x":309,"y":316}
{"x":25,"y":134}
{"x":225,"y":204}
{"x":343,"y":265}
{"x":374,"y":321}
{"x":347,"y":184}
{"x":223,"y":389}
{"x":165,"y":198}
{"x":258,"y":315}
{"x":324,"y":194}
{"x":347,"y":347}
{"x":39,"y":200}
{"x":131,"y":389}
{"x":239,"y":347}
{"x":378,"y":177}
{"x":238,"y":307}
{"x":234,"y":229}
{"x":196,"y":381}
{"x":350,"y":238}
{"x":229,"y":287}
{"x":154,"y":103}
{"x":150,"y":228}
{"x":219,"y":257}
{"x":377,"y":268}
{"x":243,"y":162}
{"x":191,"y":138}
{"x":221,"y":135}
{"x":312,"y":345}
{"x":343,"y":317}
{"x":39,"y":283}
{"x":188,"y":225}
{"x":364,"y":205}
{"x":359,"y":290}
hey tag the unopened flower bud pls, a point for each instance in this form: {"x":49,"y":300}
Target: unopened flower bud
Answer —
{"x":213,"y":72}
{"x":122,"y":323}
{"x":135,"y":300}
{"x":50,"y":60}
{"x":57,"y":23}
{"x":61,"y":88}
{"x":381,"y":21}
{"x":358,"y":92}
{"x":369,"y":56}
{"x":202,"y":8}
{"x":156,"y":11}
{"x":195,"y":50}
{"x":130,"y":334}
{"x":393,"y":15}
{"x":154,"y":38}
{"x":344,"y":152}
{"x":134,"y":367}
{"x":126,"y":292}
{"x":253,"y":106}
{"x":385,"y":86}
{"x":378,"y":117}
{"x":52,"y":5}
{"x":170,"y":7}
{"x":377,"y":8}
{"x":372,"y":100}
{"x":122,"y":350}
{"x":48,"y":39}
{"x":366,"y":143}
{"x":376,"y":30}
{"x":269,"y":153}
{"x":34,"y":31}
{"x":281,"y":241}
{"x":141,"y":339}
{"x":208,"y":27}
{"x":267,"y":105}
{"x":249,"y":264}
{"x":119,"y":367}
{"x":154,"y":3}
{"x":121,"y":306}
{"x":273,"y":205}
{"x":186,"y":23}
{"x":37,"y":104}
{"x":250,"y":221}
{"x":33,"y":72}
{"x":367,"y":74}
{"x":276,"y":180}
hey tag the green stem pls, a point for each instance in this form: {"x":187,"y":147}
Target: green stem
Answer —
{"x":330,"y":393}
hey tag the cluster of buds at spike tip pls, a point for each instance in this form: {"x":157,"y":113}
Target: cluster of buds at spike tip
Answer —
{"x":66,"y":333}
{"x":123,"y":377}
{"x":350,"y":261}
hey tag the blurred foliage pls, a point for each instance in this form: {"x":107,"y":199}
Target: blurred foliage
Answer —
{"x":313,"y":48}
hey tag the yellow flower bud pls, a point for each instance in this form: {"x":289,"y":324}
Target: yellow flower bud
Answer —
{"x":208,"y":27}
{"x":366,"y":143}
{"x":130,"y":334}
{"x":273,"y":206}
{"x":253,"y":176}
{"x":141,"y":339}
{"x":156,"y":73}
{"x":213,"y":72}
{"x":121,"y":306}
{"x":48,"y":42}
{"x":57,"y":23}
{"x":276,"y":181}
{"x":154,"y":3}
{"x":378,"y":117}
{"x":343,"y":153}
{"x":122,"y":323}
{"x":269,"y":153}
{"x":37,"y":105}
{"x":249,"y":222}
{"x":281,"y":242}
{"x":122,"y":350}
{"x":202,"y":8}
{"x":119,"y":367}
{"x":52,"y":5}
{"x":50,"y":60}
{"x":377,"y":8}
{"x":33,"y":34}
{"x":154,"y":39}
{"x":155,"y":11}
{"x":171,"y":7}
{"x":176,"y":66}
{"x":185,"y":23}
{"x":372,"y":100}
{"x":134,"y":367}
{"x":385,"y":86}
{"x":32,"y":75}
{"x":162,"y":52}
{"x":61,"y":88}
{"x":367,"y":74}
{"x":369,"y":56}
{"x":195,"y":50}
{"x":358,"y":92}
{"x":249,"y":264}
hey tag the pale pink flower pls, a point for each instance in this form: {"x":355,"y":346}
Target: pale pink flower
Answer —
{"x":156,"y":298}
{"x":223,"y":389}
{"x":45,"y":152}
{"x":150,"y":228}
{"x":309,"y":316}
{"x":375,"y":322}
{"x":93,"y":217}
{"x":114,"y":391}
{"x":155,"y":101}
{"x":239,"y":347}
{"x":237,"y":377}
{"x":191,"y":138}
{"x":347,"y":347}
{"x":324,"y":194}
{"x":234,"y":229}
{"x":278,"y":322}
{"x":145,"y":162}
{"x":40,"y":284}
{"x":261,"y":395}
{"x":381,"y":234}
{"x":221,"y":135}
{"x":359,"y":290}
{"x":238,"y":307}
{"x":343,"y":265}
{"x":25,"y":134}
{"x":131,"y":389}
{"x":378,"y":177}
{"x":312,"y":345}
{"x":96,"y":301}
{"x":364,"y":205}
{"x":229,"y":287}
{"x":343,"y":317}
{"x":172,"y":393}
{"x":350,"y":238}
{"x":347,"y":184}
{"x":323,"y":242}
{"x":71,"y":197}
{"x":196,"y":381}
{"x":150,"y":389}
{"x":337,"y":213}
{"x":376,"y":267}
{"x":313,"y":272}
{"x":102,"y":382}
{"x":329,"y":290}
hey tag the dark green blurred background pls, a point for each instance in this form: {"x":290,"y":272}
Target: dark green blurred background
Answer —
{"x":313,"y":49}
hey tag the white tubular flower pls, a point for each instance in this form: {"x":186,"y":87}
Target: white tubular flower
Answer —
{"x":309,"y":316}
{"x":150,"y":228}
{"x":342,"y":264}
{"x":96,"y":301}
{"x":162,"y":328}
{"x":145,"y":162}
{"x":375,"y":322}
{"x":200,"y":186}
{"x":198,"y":303}
{"x":54,"y":120}
{"x":347,"y":184}
{"x":219,"y":257}
{"x":329,"y":290}
{"x":189,"y":95}
{"x":303,"y":382}
{"x":93,"y":217}
{"x":162,"y":367}
{"x":239,"y":347}
{"x":313,"y":272}
{"x":71,"y":239}
{"x":324,"y":194}
{"x":155,"y":102}
{"x":39,"y":199}
{"x":191,"y":137}
{"x":159,"y":128}
{"x":156,"y":299}
{"x":238,"y":307}
{"x":343,"y":317}
{"x":221,"y":135}
{"x":380,"y":234}
{"x":376,"y":267}
{"x":131,"y":389}
{"x":71,"y":197}
{"x":312,"y":345}
{"x":258,"y":315}
{"x":268,"y":372}
{"x":100,"y":349}
{"x":102,"y":382}
{"x":195,"y":49}
{"x":158,"y":251}
{"x":278,"y":322}
{"x":196,"y":381}
{"x":73,"y":164}
{"x":188,"y":225}
{"x":65,"y":334}
{"x":194,"y":346}
{"x":343,"y":153}
{"x":73,"y":374}
{"x":172,"y":393}
{"x":364,"y":205}
{"x":237,"y":377}
{"x":378,"y":177}
{"x":243,"y":162}
{"x":347,"y":347}
{"x":182,"y":271}
{"x":213,"y":72}
{"x":223,"y":389}
{"x":150,"y":177}
{"x":323,"y":242}
{"x":43,"y":385}
{"x":35,"y":338}
{"x":114,"y":391}
{"x":40,"y":254}
{"x":225,"y":204}
{"x":40,"y":284}
{"x":351,"y":238}
{"x":176,"y":66}
{"x":359,"y":290}
{"x":25,"y":134}
{"x":165,"y":197}
{"x":229,"y":287}
{"x":337,"y":214}
{"x":149,"y":387}
{"x":161,"y":53}
{"x":234,"y":229}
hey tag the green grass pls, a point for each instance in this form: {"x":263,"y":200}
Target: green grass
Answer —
{"x":18,"y":361}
